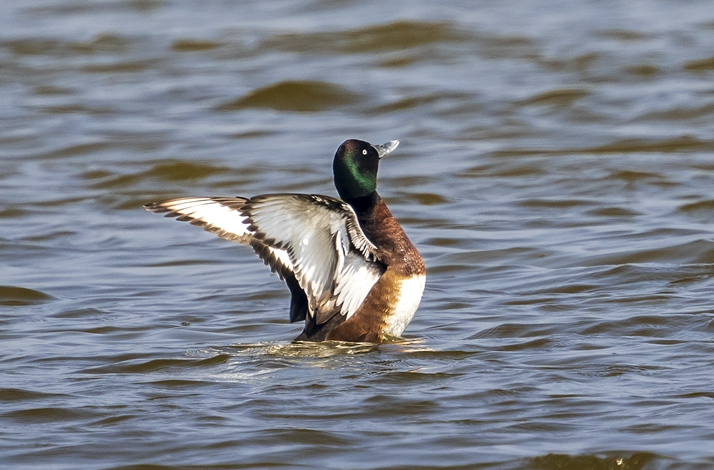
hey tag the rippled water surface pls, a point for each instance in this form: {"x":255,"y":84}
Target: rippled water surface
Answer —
{"x":556,"y":171}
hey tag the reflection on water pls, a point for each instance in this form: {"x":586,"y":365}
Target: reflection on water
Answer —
{"x":555,"y":171}
{"x":326,"y":349}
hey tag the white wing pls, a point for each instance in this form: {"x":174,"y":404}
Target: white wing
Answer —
{"x":334,"y":263}
{"x":221,"y":215}
{"x":316,"y":238}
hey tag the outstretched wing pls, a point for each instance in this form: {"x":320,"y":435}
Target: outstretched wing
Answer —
{"x":316,"y":239}
{"x":222,"y":216}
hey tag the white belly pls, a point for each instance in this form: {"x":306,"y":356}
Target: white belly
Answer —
{"x":409,"y":297}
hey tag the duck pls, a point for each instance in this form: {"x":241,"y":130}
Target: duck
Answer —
{"x":352,"y":272}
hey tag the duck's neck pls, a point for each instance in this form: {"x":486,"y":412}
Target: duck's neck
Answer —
{"x":365,"y":204}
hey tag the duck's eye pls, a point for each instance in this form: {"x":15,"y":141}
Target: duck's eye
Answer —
{"x":364,"y":152}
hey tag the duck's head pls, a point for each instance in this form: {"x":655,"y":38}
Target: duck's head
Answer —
{"x":355,"y":167}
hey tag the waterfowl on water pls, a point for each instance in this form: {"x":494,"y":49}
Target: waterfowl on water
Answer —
{"x":352,"y":272}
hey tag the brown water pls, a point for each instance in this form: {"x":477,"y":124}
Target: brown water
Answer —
{"x":556,"y":171}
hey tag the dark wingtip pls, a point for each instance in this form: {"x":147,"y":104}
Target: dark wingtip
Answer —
{"x":155,"y":207}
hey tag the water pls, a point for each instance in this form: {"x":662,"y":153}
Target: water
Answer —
{"x":556,"y":171}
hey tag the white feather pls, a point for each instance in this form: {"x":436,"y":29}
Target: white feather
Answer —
{"x":410,"y":292}
{"x":355,"y":281}
{"x":208,"y":211}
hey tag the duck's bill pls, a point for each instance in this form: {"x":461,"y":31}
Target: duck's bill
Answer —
{"x":386,"y":148}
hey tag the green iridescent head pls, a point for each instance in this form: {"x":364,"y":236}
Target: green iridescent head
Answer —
{"x":355,"y":167}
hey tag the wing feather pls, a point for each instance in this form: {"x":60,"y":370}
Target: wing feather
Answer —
{"x":222,"y":216}
{"x":317,"y":239}
{"x":326,"y":246}
{"x":215,"y":215}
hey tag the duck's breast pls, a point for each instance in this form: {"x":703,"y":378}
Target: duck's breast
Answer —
{"x":409,"y":290}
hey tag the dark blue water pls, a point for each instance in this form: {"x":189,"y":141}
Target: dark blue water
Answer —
{"x":556,"y":172}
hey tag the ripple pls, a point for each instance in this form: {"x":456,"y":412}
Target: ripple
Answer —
{"x":121,"y":66}
{"x":555,"y":203}
{"x":91,"y":147}
{"x":623,"y":146}
{"x":706,"y":206}
{"x":614,"y":212}
{"x":430,"y":100}
{"x":558,"y":97}
{"x":47,"y":415}
{"x":428,"y":199}
{"x":680,"y":113}
{"x":299,"y":96}
{"x":13,"y":213}
{"x":154,"y":365}
{"x":643,"y":70}
{"x":325,"y":349}
{"x":629,"y":461}
{"x":580,"y":62}
{"x":500,"y":46}
{"x":171,"y":171}
{"x":641,"y":325}
{"x":700,"y":65}
{"x":17,"y":394}
{"x":12,"y":296}
{"x":676,"y":145}
{"x":625,"y":35}
{"x":633,"y":175}
{"x":697,"y":251}
{"x":74,"y":8}
{"x":194,"y":45}
{"x":396,"y":36}
{"x":101,"y":44}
